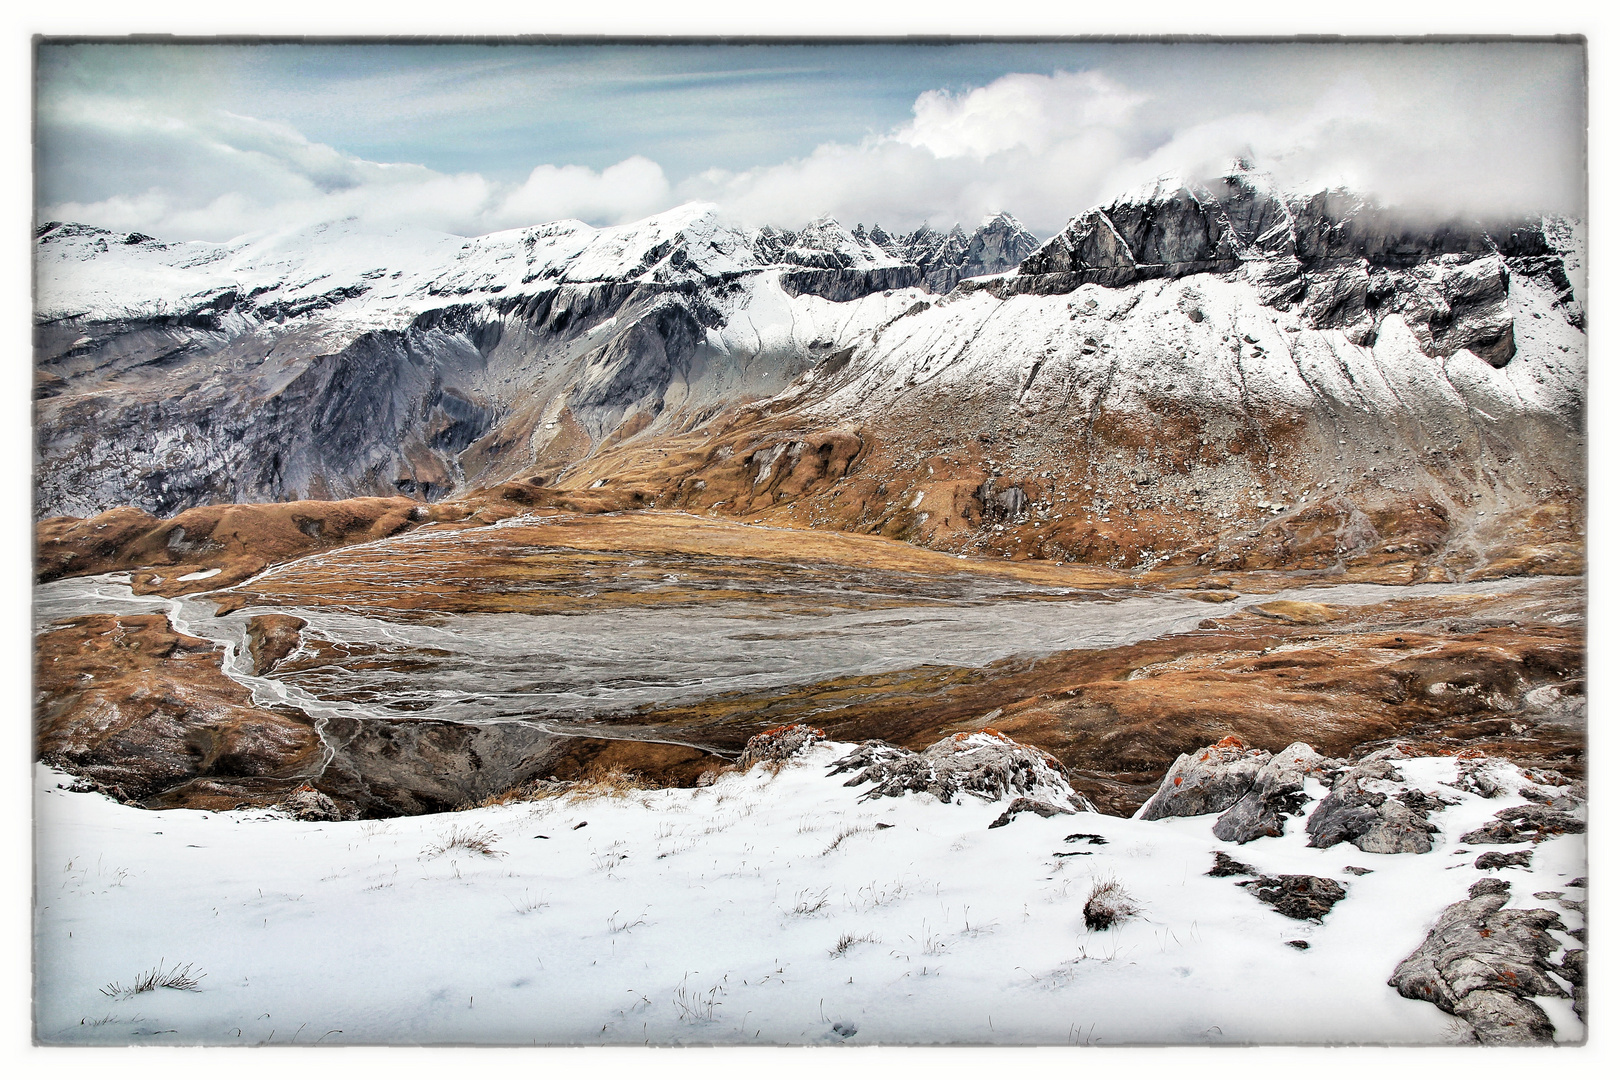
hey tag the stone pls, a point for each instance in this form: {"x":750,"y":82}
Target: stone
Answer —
{"x":1532,"y":822}
{"x":1022,"y":805}
{"x":983,"y":763}
{"x":779,"y":744}
{"x":1206,"y":781}
{"x":1298,"y":896}
{"x":1499,"y":860}
{"x":307,"y":804}
{"x":1226,"y":866}
{"x":1482,"y":961}
{"x":1372,"y":820}
{"x":1573,"y":969}
{"x":1279,"y":790}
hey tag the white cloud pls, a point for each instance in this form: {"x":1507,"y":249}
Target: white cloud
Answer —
{"x":1029,"y":112}
{"x":634,"y":188}
{"x":1047,"y":147}
{"x":220,"y":175}
{"x":1044,"y":147}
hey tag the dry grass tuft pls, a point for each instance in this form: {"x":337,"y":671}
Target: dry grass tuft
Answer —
{"x":849,"y":941}
{"x":1108,"y":904}
{"x":474,"y":839}
{"x":612,"y":782}
{"x":844,"y":834}
{"x":179,"y":977}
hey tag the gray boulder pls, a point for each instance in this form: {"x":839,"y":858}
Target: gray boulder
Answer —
{"x":984,"y":763}
{"x":1372,"y":820}
{"x":1481,"y":962}
{"x":1531,"y":822}
{"x":1023,"y":805}
{"x":1279,"y":790}
{"x":307,"y":804}
{"x":1499,"y":860}
{"x":780,"y":743}
{"x":1206,"y":781}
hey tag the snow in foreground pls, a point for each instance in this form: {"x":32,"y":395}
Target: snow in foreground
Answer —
{"x":768,"y":908}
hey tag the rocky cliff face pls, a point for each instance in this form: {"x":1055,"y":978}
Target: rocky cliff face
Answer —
{"x":1331,"y":258}
{"x":1213,"y":371}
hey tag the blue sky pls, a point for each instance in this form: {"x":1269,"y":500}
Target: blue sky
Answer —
{"x":209,"y":141}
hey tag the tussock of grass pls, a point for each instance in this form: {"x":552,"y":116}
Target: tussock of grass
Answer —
{"x":474,"y":839}
{"x":601,"y":782}
{"x":849,"y":941}
{"x":612,"y":782}
{"x":1108,"y":904}
{"x":179,"y":977}
{"x":844,"y":834}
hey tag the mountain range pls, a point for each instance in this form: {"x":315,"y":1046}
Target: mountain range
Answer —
{"x":1213,"y":372}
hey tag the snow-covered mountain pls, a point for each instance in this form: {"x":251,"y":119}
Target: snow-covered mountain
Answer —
{"x":1232,"y":340}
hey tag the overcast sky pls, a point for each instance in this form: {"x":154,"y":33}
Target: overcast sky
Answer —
{"x":208,"y":142}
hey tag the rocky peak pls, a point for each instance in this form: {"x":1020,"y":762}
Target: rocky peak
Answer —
{"x":1336,"y":259}
{"x":823,"y":244}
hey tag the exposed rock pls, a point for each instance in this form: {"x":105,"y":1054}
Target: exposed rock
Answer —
{"x":999,"y":244}
{"x":983,"y":763}
{"x":1279,"y":789}
{"x":1226,"y":866}
{"x":137,"y":708}
{"x":1499,"y":860}
{"x":307,"y":804}
{"x":1298,"y":896}
{"x":1573,"y":969}
{"x":1338,"y":261}
{"x":1482,"y":961}
{"x":1532,"y":822}
{"x":1372,"y":820}
{"x":1483,"y":775}
{"x":780,"y":744}
{"x":271,"y":639}
{"x":1023,"y":805}
{"x":1206,"y":780}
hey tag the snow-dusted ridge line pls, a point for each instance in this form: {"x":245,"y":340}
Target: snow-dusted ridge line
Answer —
{"x":385,"y":277}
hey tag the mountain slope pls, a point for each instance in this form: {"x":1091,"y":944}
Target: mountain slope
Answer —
{"x":1214,"y":372}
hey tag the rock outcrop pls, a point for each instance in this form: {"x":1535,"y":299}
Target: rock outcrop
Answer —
{"x":1531,"y":823}
{"x":1278,"y":791}
{"x":1206,"y":781}
{"x":1298,"y":896}
{"x":780,"y":744}
{"x":983,"y":763}
{"x":1375,"y":820}
{"x":1483,"y":962}
{"x":1332,"y":258}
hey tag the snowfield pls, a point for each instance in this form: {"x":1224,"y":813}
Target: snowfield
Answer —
{"x":772,"y":907}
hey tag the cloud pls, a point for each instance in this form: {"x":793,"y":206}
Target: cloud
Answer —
{"x":219,"y":175}
{"x":634,"y":188}
{"x":1046,"y":147}
{"x":1025,"y":112}
{"x":1483,"y":131}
